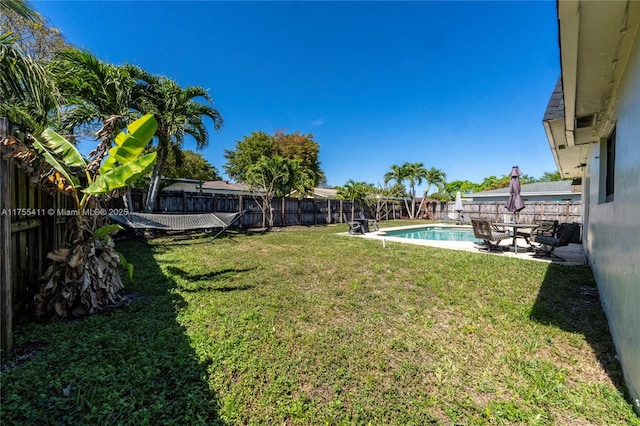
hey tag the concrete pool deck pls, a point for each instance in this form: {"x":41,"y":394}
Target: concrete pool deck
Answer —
{"x":573,"y":253}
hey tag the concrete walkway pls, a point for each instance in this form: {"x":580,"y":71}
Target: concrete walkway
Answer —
{"x":573,"y":253}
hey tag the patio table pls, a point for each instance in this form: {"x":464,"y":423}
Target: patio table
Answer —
{"x":515,"y":227}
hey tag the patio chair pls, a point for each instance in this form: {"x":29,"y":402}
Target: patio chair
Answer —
{"x":373,"y":223}
{"x":444,"y":217}
{"x":549,"y":243}
{"x":545,"y":227}
{"x":465,"y":218}
{"x":484,"y":230}
{"x":354,"y":227}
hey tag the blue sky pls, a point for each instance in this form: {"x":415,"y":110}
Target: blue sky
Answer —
{"x":460,"y":86}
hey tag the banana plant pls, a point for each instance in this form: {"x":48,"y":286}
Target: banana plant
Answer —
{"x":123,"y":165}
{"x":84,"y":277}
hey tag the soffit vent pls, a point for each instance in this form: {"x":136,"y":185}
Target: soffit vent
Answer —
{"x":585,"y":121}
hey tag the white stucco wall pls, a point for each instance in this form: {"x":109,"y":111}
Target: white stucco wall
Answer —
{"x":613,"y":229}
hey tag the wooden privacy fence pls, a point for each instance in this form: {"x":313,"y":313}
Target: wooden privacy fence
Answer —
{"x":30,"y":227}
{"x":314,"y":211}
{"x":286,"y":211}
{"x":495,"y":211}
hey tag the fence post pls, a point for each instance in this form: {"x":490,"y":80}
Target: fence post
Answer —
{"x":5,"y":248}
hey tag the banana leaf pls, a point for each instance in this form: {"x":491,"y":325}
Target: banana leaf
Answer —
{"x":65,"y":150}
{"x":130,"y":145}
{"x":106,"y":230}
{"x":53,"y":162}
{"x":121,"y":175}
{"x":126,"y":265}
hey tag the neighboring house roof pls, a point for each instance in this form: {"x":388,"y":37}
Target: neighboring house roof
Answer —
{"x":226,"y":187}
{"x":211,"y":186}
{"x":560,"y":187}
{"x":325,"y":192}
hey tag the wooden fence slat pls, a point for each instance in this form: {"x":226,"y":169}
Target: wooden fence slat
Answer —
{"x":6,"y":291}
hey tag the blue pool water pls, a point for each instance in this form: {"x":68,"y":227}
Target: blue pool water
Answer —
{"x":435,"y":233}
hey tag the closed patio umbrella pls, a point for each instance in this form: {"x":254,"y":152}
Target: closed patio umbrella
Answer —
{"x":457,"y":206}
{"x":514,"y":202}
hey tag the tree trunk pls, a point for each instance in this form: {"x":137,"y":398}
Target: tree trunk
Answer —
{"x":154,"y":185}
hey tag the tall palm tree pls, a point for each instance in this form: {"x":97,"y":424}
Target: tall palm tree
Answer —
{"x":436,"y":177}
{"x":100,"y":97}
{"x":415,"y":173}
{"x":355,"y":192}
{"x":178,"y":114}
{"x":398,"y":174}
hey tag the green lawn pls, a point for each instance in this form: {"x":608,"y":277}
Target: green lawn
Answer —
{"x":303,"y":326}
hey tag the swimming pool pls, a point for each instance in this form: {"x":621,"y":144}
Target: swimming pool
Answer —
{"x":435,"y":233}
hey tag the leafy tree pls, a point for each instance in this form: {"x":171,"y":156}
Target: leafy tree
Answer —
{"x":248,"y":152}
{"x":449,"y":190}
{"x":300,"y":147}
{"x":293,"y":146}
{"x":493,"y":182}
{"x":277,"y":176}
{"x":33,"y":33}
{"x":189,"y":165}
{"x":550,"y":177}
{"x":178,"y":114}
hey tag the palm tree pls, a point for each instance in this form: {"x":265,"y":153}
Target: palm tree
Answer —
{"x":435,"y":177}
{"x":397,"y":174}
{"x":178,"y":114}
{"x":27,"y":92}
{"x":415,"y":173}
{"x":100,"y":97}
{"x":355,"y":192}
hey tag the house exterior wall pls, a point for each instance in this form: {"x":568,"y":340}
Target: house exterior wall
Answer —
{"x":612,"y":237}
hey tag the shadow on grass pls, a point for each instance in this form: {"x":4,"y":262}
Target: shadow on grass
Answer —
{"x":210,"y":278}
{"x":568,"y":299}
{"x":134,"y":365}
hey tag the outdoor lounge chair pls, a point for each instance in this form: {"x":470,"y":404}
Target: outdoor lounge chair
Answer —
{"x":372,"y":222}
{"x":354,"y":226}
{"x":465,"y":218}
{"x":484,"y":230}
{"x":545,"y":227}
{"x":548,"y":244}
